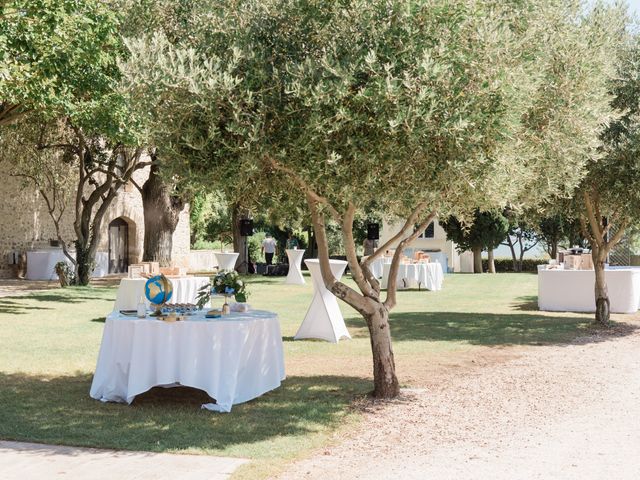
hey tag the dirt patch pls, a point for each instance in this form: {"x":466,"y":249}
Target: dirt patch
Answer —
{"x":569,"y":411}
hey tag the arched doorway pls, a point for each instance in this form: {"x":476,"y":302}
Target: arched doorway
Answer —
{"x":118,"y":246}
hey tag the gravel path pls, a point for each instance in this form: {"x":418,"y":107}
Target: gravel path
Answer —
{"x":552,"y":412}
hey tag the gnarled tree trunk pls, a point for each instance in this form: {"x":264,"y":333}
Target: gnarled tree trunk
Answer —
{"x":384,"y":369}
{"x":161,"y":215}
{"x":477,"y":260}
{"x":603,"y":314}
{"x":238,"y":213}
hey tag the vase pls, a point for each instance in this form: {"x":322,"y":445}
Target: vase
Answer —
{"x":226,"y":309}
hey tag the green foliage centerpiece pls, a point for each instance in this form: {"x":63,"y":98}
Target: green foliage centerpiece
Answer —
{"x":227,"y":283}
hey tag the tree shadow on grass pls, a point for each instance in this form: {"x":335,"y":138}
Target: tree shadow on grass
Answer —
{"x":59,"y":411}
{"x":23,"y":303}
{"x":494,"y":329}
{"x":527,"y":303}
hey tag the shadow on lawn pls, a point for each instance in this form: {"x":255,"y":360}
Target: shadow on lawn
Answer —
{"x":492,"y":329}
{"x":59,"y":411}
{"x":23,"y":303}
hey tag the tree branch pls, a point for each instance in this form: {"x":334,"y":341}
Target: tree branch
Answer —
{"x":392,"y":282}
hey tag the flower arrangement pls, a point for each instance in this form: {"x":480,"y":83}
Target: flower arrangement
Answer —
{"x":227,"y":283}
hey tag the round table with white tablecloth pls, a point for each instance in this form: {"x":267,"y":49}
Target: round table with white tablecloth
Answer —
{"x":423,"y":275}
{"x":294,"y":277}
{"x":185,"y":290}
{"x":226,"y":260}
{"x":234,"y":359}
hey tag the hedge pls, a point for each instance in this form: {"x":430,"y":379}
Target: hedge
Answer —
{"x":506,"y":264}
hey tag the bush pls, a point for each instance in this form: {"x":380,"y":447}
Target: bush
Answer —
{"x":506,"y":264}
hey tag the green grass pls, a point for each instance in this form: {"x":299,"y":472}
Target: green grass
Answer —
{"x":49,"y":343}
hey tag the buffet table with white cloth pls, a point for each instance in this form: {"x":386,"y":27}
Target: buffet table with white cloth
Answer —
{"x":234,"y":359}
{"x":226,"y":260}
{"x":130,"y":290}
{"x":573,"y":290}
{"x":294,"y":277}
{"x":423,"y":275}
{"x":41,"y":263}
{"x":324,"y":319}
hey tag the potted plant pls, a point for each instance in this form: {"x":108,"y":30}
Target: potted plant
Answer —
{"x":65,"y":273}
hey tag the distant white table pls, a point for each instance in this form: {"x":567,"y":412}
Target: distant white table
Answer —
{"x":41,"y":263}
{"x":294,"y":277}
{"x":423,"y":275}
{"x":573,"y":290}
{"x":234,"y":359}
{"x":323,"y":319}
{"x":226,"y":261}
{"x":377,"y":266}
{"x":130,"y":290}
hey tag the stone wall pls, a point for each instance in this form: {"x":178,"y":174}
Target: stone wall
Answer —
{"x":25,"y":223}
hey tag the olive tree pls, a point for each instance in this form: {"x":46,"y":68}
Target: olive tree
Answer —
{"x":426,"y":107}
{"x":609,"y":195}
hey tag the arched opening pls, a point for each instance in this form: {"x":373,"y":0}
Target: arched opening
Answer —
{"x":118,"y":246}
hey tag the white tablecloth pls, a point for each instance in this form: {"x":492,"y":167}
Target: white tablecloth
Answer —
{"x":294,"y":277}
{"x":226,"y":261}
{"x":422,"y":275}
{"x":130,"y":290}
{"x":234,"y":359}
{"x":377,"y":266}
{"x":323,"y":319}
{"x":41,"y":263}
{"x":573,"y":290}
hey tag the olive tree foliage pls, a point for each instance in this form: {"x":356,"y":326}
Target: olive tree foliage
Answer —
{"x":485,"y":231}
{"x":609,"y":194}
{"x":429,"y":107}
{"x":52,"y":53}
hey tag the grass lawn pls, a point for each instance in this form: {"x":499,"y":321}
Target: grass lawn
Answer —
{"x":49,"y":344}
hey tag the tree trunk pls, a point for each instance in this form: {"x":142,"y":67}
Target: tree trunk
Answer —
{"x":603,"y":314}
{"x":84,"y":264}
{"x":513,"y":253}
{"x":239,"y":242}
{"x":385,"y":380}
{"x":491,"y":262}
{"x":553,"y":251}
{"x":161,"y":215}
{"x":477,"y":260}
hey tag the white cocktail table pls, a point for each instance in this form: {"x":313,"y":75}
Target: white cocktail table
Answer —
{"x":226,"y":261}
{"x":294,"y":277}
{"x":323,"y":319}
{"x":235,"y":358}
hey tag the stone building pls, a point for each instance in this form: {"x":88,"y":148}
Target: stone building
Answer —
{"x":25,"y":226}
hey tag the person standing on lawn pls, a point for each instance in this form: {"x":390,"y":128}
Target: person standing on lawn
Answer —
{"x":269,"y":248}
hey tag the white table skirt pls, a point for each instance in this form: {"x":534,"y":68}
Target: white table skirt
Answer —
{"x":294,"y":277}
{"x":573,"y":290}
{"x":423,"y":275}
{"x":226,"y":261}
{"x":130,"y":290}
{"x":234,"y":359}
{"x":324,"y":319}
{"x":41,"y":263}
